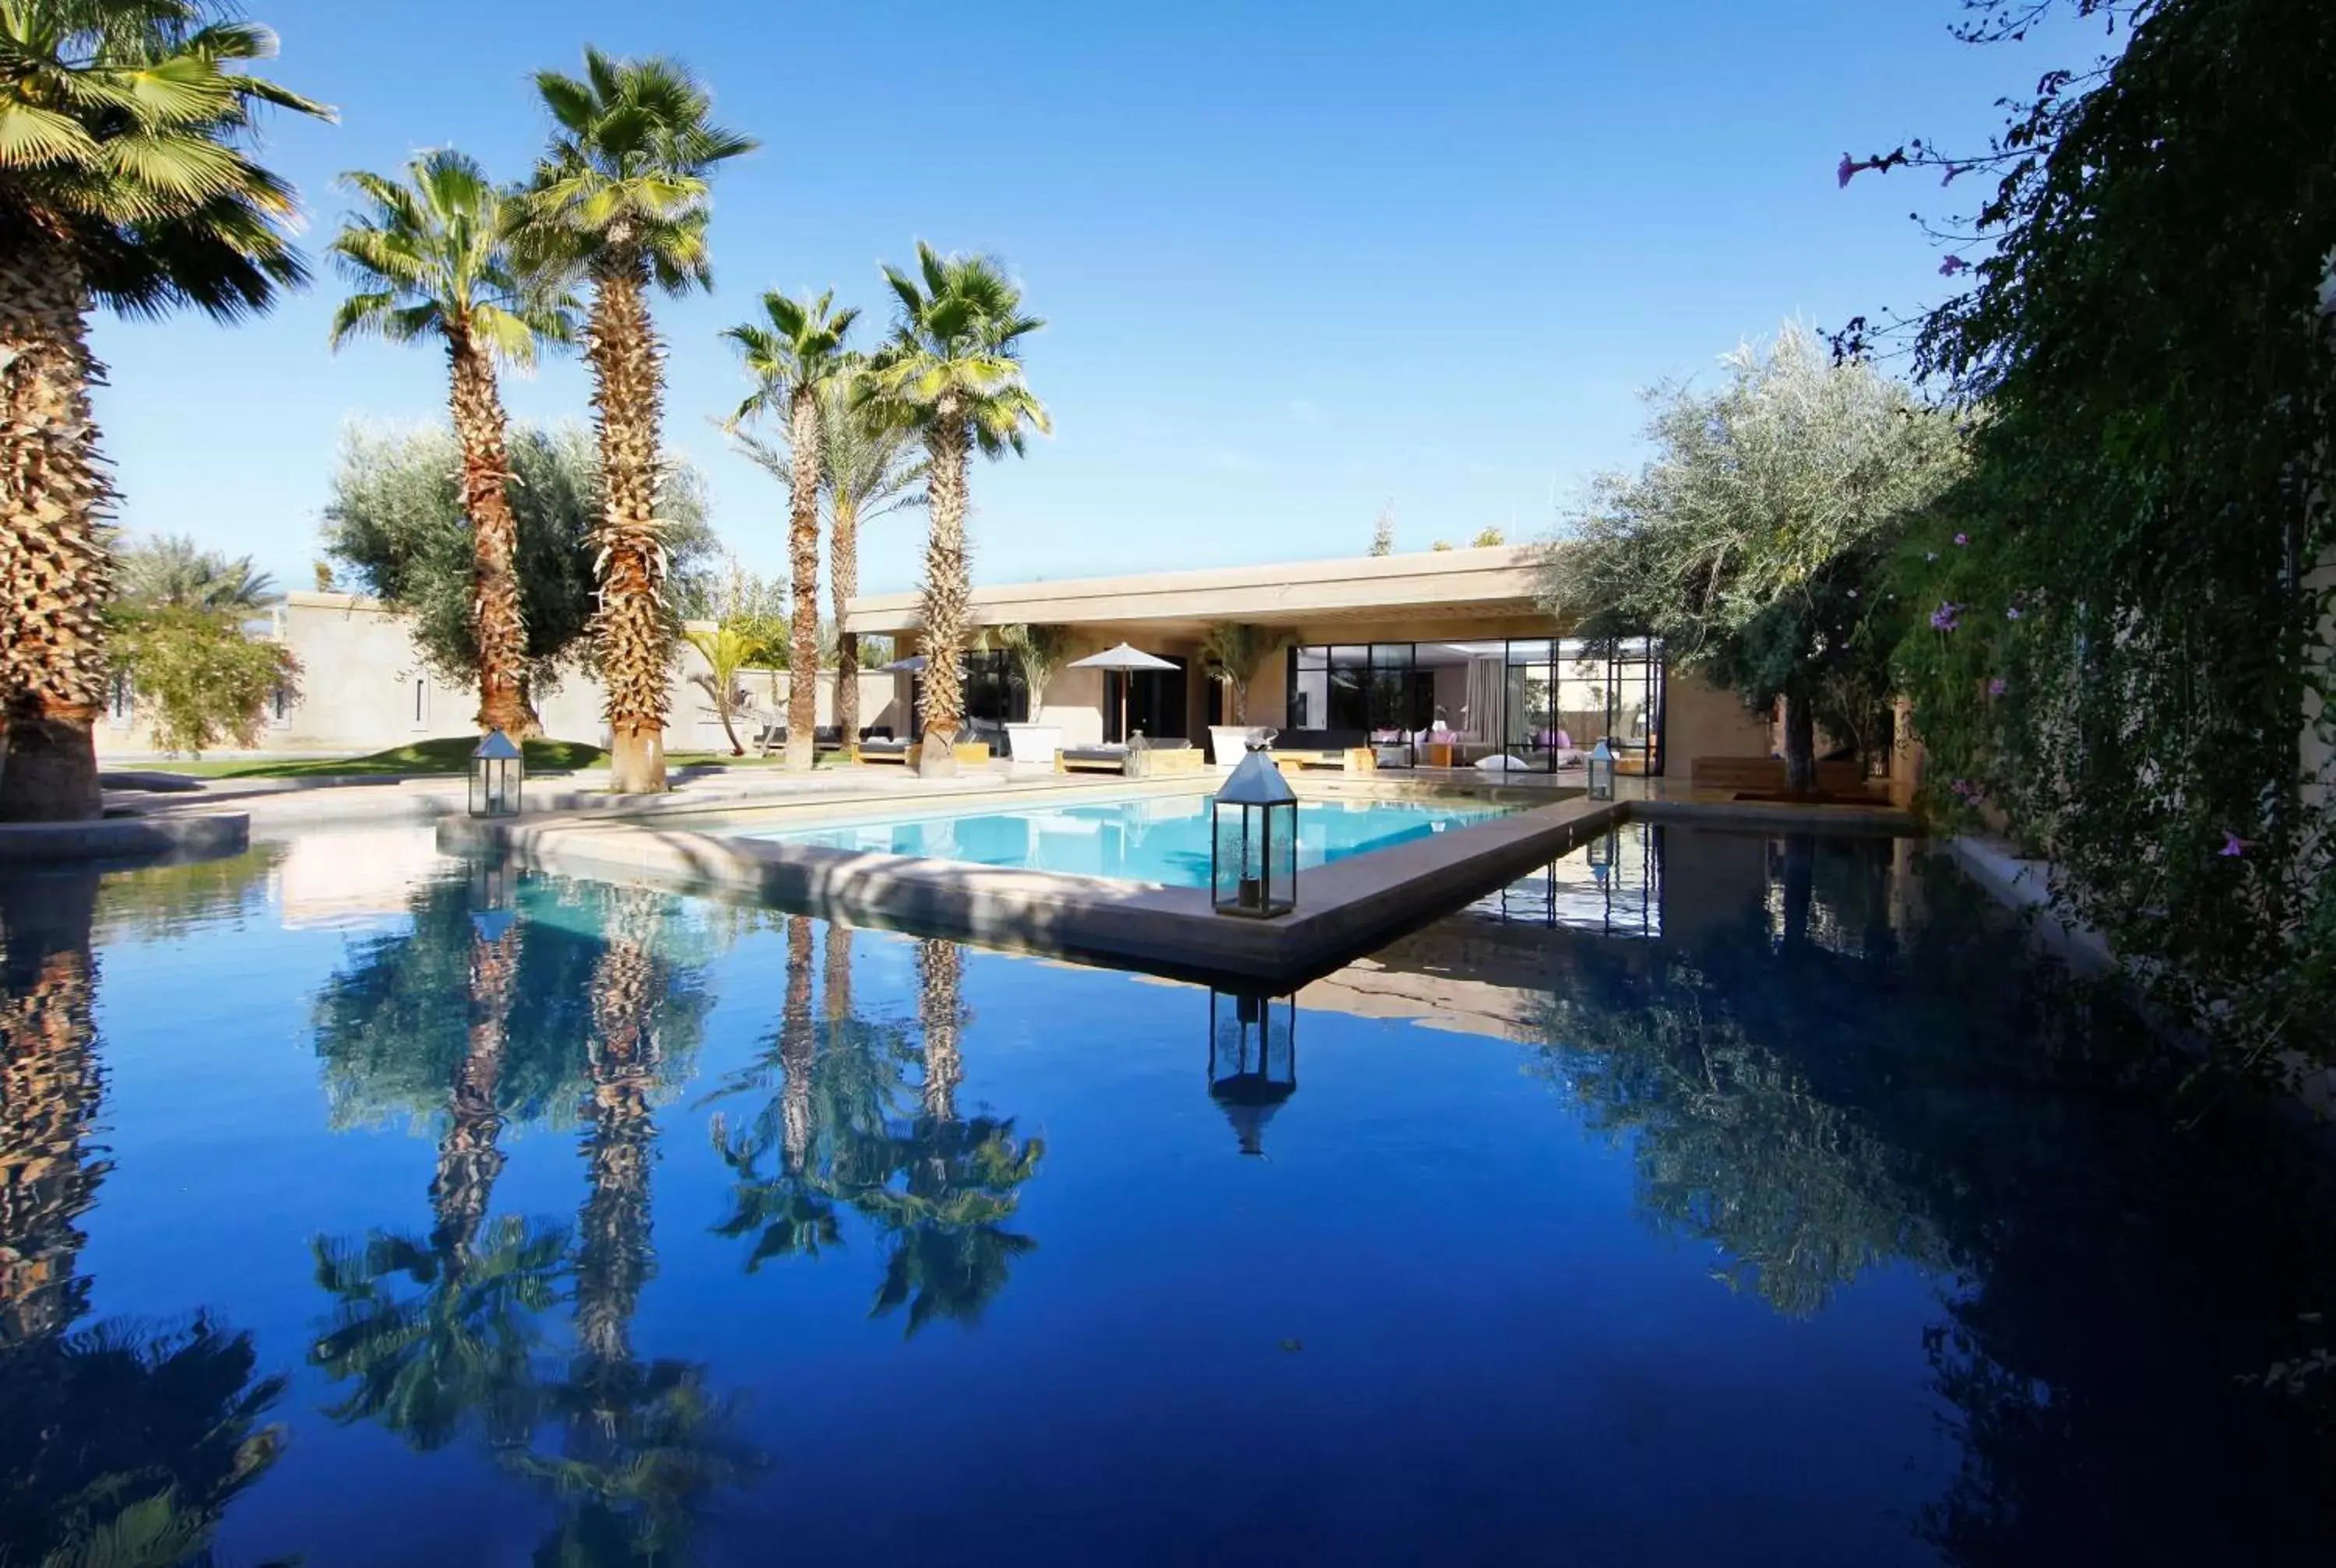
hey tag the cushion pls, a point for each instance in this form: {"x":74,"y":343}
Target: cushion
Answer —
{"x":1504,"y":763}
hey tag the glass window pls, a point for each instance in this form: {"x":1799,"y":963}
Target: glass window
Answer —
{"x":1350,"y":706}
{"x":1309,"y":687}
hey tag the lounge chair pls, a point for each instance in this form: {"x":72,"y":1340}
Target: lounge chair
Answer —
{"x":883,"y":745}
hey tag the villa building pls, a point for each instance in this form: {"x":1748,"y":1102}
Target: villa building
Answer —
{"x":1438,"y":658}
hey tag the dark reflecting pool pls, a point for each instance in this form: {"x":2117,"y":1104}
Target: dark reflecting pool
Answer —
{"x":1704,"y":1198}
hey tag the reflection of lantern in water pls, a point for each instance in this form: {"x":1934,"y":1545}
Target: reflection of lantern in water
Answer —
{"x":1253,"y":1060}
{"x":493,"y":897}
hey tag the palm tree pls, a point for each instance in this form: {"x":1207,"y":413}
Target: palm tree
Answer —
{"x":727,"y":650}
{"x":624,"y":193}
{"x":172,"y":572}
{"x":869,"y":468}
{"x":433,"y":258}
{"x":795,"y":360}
{"x":953,"y":372}
{"x":124,"y":184}
{"x":1230,"y":652}
{"x":1038,"y":651}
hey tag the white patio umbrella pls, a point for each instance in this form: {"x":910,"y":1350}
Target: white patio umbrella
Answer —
{"x":1125,"y":661}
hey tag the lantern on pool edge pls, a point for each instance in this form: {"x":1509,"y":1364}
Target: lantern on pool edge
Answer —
{"x":1601,"y":771}
{"x":1253,"y":852}
{"x":496,"y":770}
{"x":1253,"y":1060}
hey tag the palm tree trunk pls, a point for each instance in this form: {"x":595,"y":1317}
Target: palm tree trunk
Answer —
{"x":56,"y":570}
{"x":468,"y":1159}
{"x":940,"y":1012}
{"x":803,"y":565}
{"x":50,"y":1087}
{"x":634,"y":627}
{"x":947,"y":592}
{"x":844,"y":570}
{"x":498,"y":626}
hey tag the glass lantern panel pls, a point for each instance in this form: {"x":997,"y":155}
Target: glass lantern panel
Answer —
{"x":1240,"y":864}
{"x":1281,"y":856}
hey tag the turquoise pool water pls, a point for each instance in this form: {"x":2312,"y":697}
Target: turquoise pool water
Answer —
{"x":1702,"y":1199}
{"x":1163,"y":839}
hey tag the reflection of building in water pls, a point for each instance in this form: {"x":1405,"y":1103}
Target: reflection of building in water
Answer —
{"x":350,"y":881}
{"x":1252,"y":1060}
{"x":1612,"y":885}
{"x":1825,"y":892}
{"x":1469,"y":975}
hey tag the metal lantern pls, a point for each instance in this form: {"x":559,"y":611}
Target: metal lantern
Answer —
{"x":1253,"y":1060}
{"x":496,"y":771}
{"x":1253,"y":852}
{"x":1601,"y":771}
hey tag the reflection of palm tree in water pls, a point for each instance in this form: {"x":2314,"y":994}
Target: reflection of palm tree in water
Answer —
{"x":424,"y":1362}
{"x":642,"y":1440}
{"x":947,"y":1251}
{"x":49,"y":1091}
{"x":468,"y":1159}
{"x":798,"y":1045}
{"x":940,"y":1009}
{"x":115,"y":1444}
{"x":939,"y":1189}
{"x":836,"y":1076}
{"x":613,"y":1260}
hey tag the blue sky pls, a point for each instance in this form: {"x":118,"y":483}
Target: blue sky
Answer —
{"x":1298,"y":262}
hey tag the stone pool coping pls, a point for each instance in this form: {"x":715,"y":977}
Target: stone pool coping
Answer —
{"x":1344,"y":907}
{"x":123,"y":837}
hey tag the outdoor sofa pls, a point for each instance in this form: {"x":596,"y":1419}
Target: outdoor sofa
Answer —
{"x":1153,"y":760}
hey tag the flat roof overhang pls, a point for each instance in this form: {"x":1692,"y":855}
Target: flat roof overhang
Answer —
{"x":1456,"y":584}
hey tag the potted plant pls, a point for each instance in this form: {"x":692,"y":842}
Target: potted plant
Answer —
{"x":1039,"y":652}
{"x":1230,"y":652}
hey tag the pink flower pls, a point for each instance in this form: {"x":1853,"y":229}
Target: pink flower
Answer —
{"x":1967,"y":792}
{"x":1952,"y":264}
{"x":2234,"y":846}
{"x":1848,"y":167}
{"x":1962,"y":539}
{"x":1946,"y":616}
{"x":2012,"y":614}
{"x":1996,"y":687}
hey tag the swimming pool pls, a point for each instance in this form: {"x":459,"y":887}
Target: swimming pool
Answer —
{"x":1711,"y":1198}
{"x":1163,"y":839}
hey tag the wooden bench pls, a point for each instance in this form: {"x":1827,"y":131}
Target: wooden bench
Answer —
{"x":1347,"y":759}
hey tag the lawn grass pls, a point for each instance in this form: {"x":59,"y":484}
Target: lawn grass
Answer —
{"x":448,"y":755}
